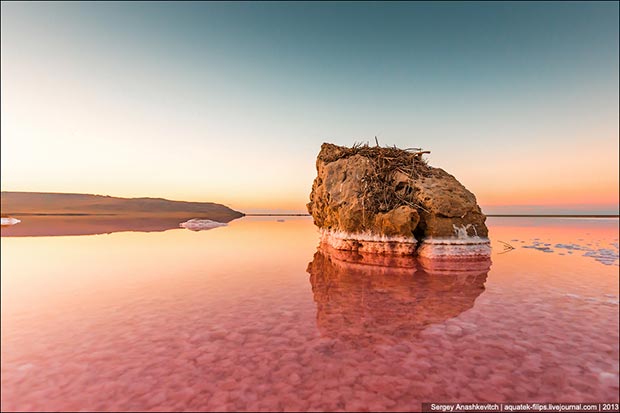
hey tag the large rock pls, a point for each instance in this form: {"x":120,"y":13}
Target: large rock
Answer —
{"x":384,"y":200}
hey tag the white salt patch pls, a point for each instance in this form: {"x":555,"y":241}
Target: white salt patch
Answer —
{"x":457,"y":241}
{"x":365,"y":236}
{"x":603,"y":255}
{"x":606,"y":256}
{"x":465,"y":247}
{"x":9,"y":221}
{"x":369,"y":242}
{"x":201,"y":224}
{"x":455,"y":250}
{"x":461,"y":232}
{"x":455,"y":247}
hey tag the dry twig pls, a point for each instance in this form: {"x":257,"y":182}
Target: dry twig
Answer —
{"x":379,"y":191}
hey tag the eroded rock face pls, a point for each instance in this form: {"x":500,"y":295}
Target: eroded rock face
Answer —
{"x":385,"y":200}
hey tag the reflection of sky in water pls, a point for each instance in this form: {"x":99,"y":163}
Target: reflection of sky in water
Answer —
{"x":253,"y":317}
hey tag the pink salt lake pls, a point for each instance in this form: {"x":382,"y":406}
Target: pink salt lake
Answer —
{"x":252,"y":316}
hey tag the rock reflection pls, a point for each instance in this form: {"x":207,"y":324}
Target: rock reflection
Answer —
{"x":372,"y":299}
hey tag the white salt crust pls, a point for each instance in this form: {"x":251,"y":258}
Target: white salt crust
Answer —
{"x":199,"y":224}
{"x":431,"y":248}
{"x":9,"y":221}
{"x":369,"y":243}
{"x":455,"y":247}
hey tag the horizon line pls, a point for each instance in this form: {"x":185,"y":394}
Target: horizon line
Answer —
{"x":488,"y":215}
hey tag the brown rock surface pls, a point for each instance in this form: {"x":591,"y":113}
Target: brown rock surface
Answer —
{"x":401,"y":220}
{"x":389,"y":192}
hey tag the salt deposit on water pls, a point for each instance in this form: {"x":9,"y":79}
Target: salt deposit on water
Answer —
{"x":9,"y":221}
{"x":605,"y":254}
{"x":201,"y":224}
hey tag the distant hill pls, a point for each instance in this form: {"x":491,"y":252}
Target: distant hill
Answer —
{"x":18,"y":204}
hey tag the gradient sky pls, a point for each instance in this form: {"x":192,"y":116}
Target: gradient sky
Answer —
{"x":230,"y":102}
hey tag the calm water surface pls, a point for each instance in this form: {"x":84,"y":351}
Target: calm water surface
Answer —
{"x":253,"y":316}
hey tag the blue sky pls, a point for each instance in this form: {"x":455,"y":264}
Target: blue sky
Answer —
{"x":229,"y":102}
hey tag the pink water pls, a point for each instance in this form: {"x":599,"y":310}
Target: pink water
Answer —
{"x":253,"y":317}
